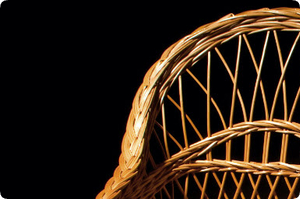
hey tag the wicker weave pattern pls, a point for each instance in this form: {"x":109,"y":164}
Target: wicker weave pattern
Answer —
{"x":147,"y":102}
{"x":183,"y":162}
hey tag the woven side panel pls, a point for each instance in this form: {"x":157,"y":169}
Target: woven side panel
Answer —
{"x":165,"y":71}
{"x":185,"y":161}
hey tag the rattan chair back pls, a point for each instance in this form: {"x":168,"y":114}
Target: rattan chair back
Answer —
{"x":217,"y":116}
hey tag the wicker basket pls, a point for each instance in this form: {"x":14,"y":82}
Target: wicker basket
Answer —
{"x":217,"y":116}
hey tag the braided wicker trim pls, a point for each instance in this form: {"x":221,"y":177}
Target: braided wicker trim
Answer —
{"x":273,"y":168}
{"x":165,"y":71}
{"x":244,"y":128}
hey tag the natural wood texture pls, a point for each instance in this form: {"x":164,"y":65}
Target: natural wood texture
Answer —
{"x":231,"y":151}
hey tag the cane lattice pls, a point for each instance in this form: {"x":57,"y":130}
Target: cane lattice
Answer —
{"x":217,"y":116}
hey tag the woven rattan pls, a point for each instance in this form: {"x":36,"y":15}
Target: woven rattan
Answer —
{"x":189,"y":137}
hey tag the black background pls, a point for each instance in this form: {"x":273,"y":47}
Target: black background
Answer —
{"x":130,"y":38}
{"x":69,"y":73}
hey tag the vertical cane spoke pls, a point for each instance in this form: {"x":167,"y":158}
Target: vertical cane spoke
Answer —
{"x":199,"y":185}
{"x":294,"y":104}
{"x":273,"y":188}
{"x":165,"y":130}
{"x":232,"y":79}
{"x":182,"y":112}
{"x":161,"y":145}
{"x":235,"y":81}
{"x":219,"y":183}
{"x":238,"y":185}
{"x":253,"y":184}
{"x":212,"y":99}
{"x":187,"y":117}
{"x":171,"y":137}
{"x":209,"y":155}
{"x":255,"y":187}
{"x":293,"y":188}
{"x":239,"y":188}
{"x":228,"y":144}
{"x":208,"y":94}
{"x":205,"y":185}
{"x":179,"y":186}
{"x":284,"y":82}
{"x":186,"y":186}
{"x":288,"y":184}
{"x":282,"y":76}
{"x":222,"y":191}
{"x":258,"y":78}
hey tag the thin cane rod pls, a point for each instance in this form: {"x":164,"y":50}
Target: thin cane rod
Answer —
{"x":222,"y":191}
{"x":239,"y":188}
{"x":294,"y":105}
{"x":186,"y":186}
{"x":293,"y":188}
{"x":284,"y":82}
{"x":212,"y":99}
{"x":272,"y":192}
{"x":179,"y":186}
{"x":266,"y":144}
{"x":187,"y":117}
{"x":232,"y":79}
{"x":255,"y":188}
{"x":282,"y":76}
{"x":271,"y":185}
{"x":208,"y":94}
{"x":235,"y":81}
{"x":260,"y":82}
{"x":171,"y":136}
{"x":184,"y":130}
{"x":182,"y":112}
{"x":247,"y":137}
{"x":209,"y":155}
{"x":236,"y":184}
{"x":165,"y":130}
{"x":228,"y":144}
{"x":219,"y":182}
{"x":288,"y":183}
{"x":280,"y":83}
{"x":160,"y":143}
{"x":198,"y":184}
{"x":205,"y":185}
{"x":284,"y":143}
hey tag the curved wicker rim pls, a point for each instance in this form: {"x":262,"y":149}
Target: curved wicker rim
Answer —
{"x":165,"y":71}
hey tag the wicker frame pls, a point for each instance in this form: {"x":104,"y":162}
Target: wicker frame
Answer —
{"x":130,"y":179}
